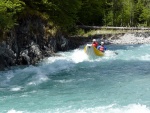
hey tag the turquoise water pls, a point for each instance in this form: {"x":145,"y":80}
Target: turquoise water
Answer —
{"x":74,"y":83}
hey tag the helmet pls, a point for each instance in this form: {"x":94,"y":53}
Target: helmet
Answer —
{"x":94,"y":40}
{"x":102,"y":43}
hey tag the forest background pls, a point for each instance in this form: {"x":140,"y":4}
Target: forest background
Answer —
{"x":65,"y":15}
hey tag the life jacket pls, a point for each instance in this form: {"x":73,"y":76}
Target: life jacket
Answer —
{"x":98,"y":47}
{"x":95,"y":44}
{"x":102,"y":49}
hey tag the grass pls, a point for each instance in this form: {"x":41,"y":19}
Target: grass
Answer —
{"x":105,"y":31}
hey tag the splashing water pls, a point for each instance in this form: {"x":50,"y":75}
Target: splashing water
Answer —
{"x":75,"y":83}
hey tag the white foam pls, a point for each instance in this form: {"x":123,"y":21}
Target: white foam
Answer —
{"x":64,"y":81}
{"x":53,"y":59}
{"x":110,"y":54}
{"x":145,"y":57}
{"x":14,"y":111}
{"x":78,"y":56}
{"x":67,"y":59}
{"x":16,"y":89}
{"x":38,"y":79}
{"x":133,"y":108}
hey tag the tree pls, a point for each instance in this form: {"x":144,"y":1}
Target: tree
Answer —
{"x":60,"y":12}
{"x":8,"y":13}
{"x":64,"y":13}
{"x":127,"y":13}
{"x":91,"y":12}
{"x":145,"y":14}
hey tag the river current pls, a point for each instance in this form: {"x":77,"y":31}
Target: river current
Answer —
{"x":74,"y":83}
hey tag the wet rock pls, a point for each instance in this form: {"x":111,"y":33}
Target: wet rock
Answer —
{"x":35,"y":53}
{"x":25,"y":59}
{"x":7,"y":56}
{"x":28,"y":43}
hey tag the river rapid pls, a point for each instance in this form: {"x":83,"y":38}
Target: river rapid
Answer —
{"x":75,"y":83}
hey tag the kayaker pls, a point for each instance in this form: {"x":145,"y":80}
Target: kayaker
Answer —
{"x":95,"y":43}
{"x":101,"y":47}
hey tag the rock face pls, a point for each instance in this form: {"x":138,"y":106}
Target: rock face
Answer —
{"x":29,"y":42}
{"x":7,"y":56}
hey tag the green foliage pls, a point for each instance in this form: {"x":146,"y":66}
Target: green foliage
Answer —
{"x":80,"y":32}
{"x":127,"y":12}
{"x":145,"y":16}
{"x":91,"y":12}
{"x":61,"y":12}
{"x":65,"y":14}
{"x":8,"y":12}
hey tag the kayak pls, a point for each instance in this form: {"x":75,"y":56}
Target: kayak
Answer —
{"x":92,"y":51}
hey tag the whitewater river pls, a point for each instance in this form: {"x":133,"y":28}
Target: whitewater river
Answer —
{"x":74,"y":83}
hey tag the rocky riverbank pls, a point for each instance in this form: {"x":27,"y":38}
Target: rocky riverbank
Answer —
{"x":130,"y":38}
{"x":30,"y":42}
{"x":124,"y":38}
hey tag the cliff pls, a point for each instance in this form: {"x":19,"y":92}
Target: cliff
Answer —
{"x":30,"y":41}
